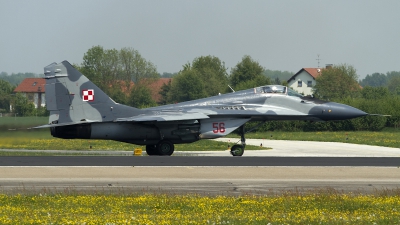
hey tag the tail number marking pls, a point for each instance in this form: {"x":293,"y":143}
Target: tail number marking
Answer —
{"x":218,"y":128}
{"x":88,"y":95}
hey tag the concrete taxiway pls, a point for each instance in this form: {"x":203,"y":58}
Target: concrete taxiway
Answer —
{"x":200,"y":180}
{"x":312,"y":149}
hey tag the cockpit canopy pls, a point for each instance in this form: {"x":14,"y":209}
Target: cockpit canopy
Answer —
{"x":278,"y":89}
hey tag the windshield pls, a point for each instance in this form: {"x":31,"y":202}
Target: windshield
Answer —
{"x":277,"y":89}
{"x":273,"y":89}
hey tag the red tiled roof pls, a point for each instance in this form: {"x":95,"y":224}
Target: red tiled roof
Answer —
{"x":124,"y":88}
{"x":314,"y":72}
{"x":35,"y":85}
{"x":155,"y":87}
{"x":31,"y":85}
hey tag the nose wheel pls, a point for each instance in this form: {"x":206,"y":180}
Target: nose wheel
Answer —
{"x":238,"y":150}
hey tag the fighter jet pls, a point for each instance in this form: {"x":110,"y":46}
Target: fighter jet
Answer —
{"x":79,"y":109}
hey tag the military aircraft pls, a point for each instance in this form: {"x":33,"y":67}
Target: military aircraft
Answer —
{"x":79,"y":109}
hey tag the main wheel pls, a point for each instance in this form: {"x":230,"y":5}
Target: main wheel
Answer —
{"x":151,"y":149}
{"x":237,"y":150}
{"x":165,"y":148}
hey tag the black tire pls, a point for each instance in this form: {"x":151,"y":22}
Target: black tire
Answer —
{"x":237,"y":150}
{"x":165,"y":148}
{"x":151,"y":149}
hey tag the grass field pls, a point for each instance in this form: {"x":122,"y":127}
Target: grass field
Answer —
{"x":14,"y":135}
{"x":42,"y":140}
{"x":318,"y":208}
{"x":14,"y":123}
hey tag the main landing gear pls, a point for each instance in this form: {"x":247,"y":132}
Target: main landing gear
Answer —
{"x":163,"y":147}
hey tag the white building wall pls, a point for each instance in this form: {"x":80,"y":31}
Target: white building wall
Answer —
{"x":36,"y":100}
{"x":304,"y":77}
{"x":43,"y":100}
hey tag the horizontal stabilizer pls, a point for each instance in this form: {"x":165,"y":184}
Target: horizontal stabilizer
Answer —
{"x":164,"y":117}
{"x":64,"y":124}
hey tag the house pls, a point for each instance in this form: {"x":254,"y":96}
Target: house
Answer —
{"x":155,"y":88}
{"x":153,"y":85}
{"x":125,"y":88}
{"x":304,"y":80}
{"x":34,"y":90}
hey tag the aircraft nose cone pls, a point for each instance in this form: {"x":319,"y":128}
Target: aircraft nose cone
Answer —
{"x":336,"y":111}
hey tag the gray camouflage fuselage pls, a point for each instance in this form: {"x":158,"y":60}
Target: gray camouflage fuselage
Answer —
{"x":79,"y":109}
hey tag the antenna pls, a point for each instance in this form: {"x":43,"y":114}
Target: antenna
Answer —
{"x":231,"y":88}
{"x":318,"y":59}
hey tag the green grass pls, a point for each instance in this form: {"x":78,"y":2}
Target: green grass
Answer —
{"x":12,"y":153}
{"x":21,"y":123}
{"x":14,"y":135}
{"x":41,"y":139}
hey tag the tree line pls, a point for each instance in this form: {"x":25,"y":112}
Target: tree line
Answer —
{"x":208,"y":76}
{"x":340,"y":84}
{"x":126,"y":77}
{"x":16,"y":78}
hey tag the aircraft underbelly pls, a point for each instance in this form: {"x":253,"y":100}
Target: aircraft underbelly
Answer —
{"x":142,"y":134}
{"x":219,"y":127}
{"x":123,"y":131}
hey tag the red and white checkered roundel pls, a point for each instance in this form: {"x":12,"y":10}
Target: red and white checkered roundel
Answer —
{"x":88,"y":95}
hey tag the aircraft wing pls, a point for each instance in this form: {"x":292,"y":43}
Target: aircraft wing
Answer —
{"x":164,"y":116}
{"x":156,"y":117}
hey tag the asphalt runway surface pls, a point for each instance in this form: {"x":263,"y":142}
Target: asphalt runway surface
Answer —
{"x":288,"y":167}
{"x":210,"y":161}
{"x":198,"y":174}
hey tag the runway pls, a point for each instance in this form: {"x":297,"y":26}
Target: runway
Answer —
{"x":205,"y":161}
{"x":197,"y":174}
{"x":317,"y":166}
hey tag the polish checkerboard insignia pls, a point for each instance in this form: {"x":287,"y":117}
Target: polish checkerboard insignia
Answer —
{"x":88,"y":95}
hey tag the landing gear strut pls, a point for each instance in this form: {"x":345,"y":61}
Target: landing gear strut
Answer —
{"x":238,"y":150}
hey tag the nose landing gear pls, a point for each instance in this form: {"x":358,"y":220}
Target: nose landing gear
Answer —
{"x":238,"y":150}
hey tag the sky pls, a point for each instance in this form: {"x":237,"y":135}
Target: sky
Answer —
{"x":284,"y":35}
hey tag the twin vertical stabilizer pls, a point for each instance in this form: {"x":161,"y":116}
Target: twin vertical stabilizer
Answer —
{"x":72,"y":98}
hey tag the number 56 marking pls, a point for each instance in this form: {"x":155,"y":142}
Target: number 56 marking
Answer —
{"x":218,"y":128}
